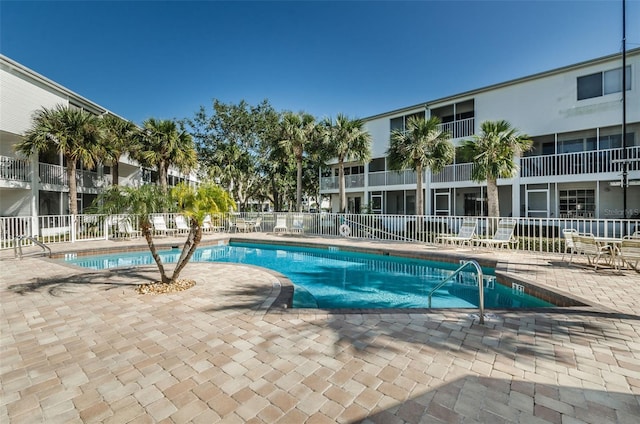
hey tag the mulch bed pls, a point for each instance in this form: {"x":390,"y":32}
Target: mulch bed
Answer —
{"x":162,"y":288}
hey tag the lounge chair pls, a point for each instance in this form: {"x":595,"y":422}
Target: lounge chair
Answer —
{"x":630,"y":252}
{"x":503,"y":235}
{"x":160,"y":226}
{"x":569,"y":246}
{"x":125,"y":229}
{"x":281,"y":224}
{"x":465,"y":235}
{"x":181,"y":224}
{"x":586,"y":244}
{"x":298,"y":224}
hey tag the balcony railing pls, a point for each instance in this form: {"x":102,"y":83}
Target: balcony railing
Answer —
{"x":461,"y":128}
{"x":14,"y":169}
{"x":579,"y":163}
{"x":387,"y":178}
{"x":350,"y":181}
{"x":591,"y":162}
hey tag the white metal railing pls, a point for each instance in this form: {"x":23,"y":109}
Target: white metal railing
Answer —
{"x":14,"y":169}
{"x":532,"y":234}
{"x":52,"y":174}
{"x":460,"y":128}
{"x":350,"y":181}
{"x":450,"y":173}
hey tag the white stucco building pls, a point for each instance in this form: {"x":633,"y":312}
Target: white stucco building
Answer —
{"x":574,"y":116}
{"x":37,"y":186}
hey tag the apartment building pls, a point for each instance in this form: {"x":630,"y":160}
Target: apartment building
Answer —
{"x":38,"y":186}
{"x":574,"y":116}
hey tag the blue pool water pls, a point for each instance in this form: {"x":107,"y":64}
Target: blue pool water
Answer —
{"x":340,"y":279}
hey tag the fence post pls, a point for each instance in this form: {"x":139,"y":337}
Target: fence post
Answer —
{"x":72,"y":227}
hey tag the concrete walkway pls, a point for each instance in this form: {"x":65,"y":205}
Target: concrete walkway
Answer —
{"x":83,"y":346}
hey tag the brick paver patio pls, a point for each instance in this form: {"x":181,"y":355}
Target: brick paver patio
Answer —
{"x":83,"y":346}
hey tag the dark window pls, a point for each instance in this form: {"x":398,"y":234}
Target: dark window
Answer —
{"x":590,"y":86}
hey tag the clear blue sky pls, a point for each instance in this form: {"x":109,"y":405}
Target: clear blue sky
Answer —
{"x":165,"y":59}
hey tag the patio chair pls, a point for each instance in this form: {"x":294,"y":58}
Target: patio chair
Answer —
{"x":466,"y":233}
{"x":181,"y":224}
{"x":281,"y":224}
{"x":125,"y":229}
{"x":586,"y":244}
{"x":232,"y":225}
{"x":630,"y":252}
{"x":298,"y":224}
{"x":160,"y":226}
{"x":243,"y":225}
{"x":257,"y":226}
{"x":569,"y":246}
{"x":503,"y":235}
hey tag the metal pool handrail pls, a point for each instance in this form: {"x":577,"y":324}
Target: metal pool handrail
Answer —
{"x":480,"y":284}
{"x":17,"y":246}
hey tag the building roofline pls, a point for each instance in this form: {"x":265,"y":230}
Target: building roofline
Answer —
{"x":83,"y":101}
{"x":538,"y":75}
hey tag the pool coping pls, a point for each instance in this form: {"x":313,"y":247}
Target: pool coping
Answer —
{"x":282,"y":303}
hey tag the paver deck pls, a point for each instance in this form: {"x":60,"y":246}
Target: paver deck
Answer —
{"x":83,"y":346}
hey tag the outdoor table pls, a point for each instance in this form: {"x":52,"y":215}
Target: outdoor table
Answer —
{"x":615,"y":244}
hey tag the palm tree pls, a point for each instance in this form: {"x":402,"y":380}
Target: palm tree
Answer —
{"x":164,"y":144}
{"x":297,"y":131}
{"x":346,"y":140}
{"x":493,"y":152}
{"x":120,"y":138}
{"x":72,"y":132}
{"x":423,"y":145}
{"x":141,"y":202}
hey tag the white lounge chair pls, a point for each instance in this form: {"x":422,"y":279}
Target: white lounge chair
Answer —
{"x":281,"y":224}
{"x":586,"y":244}
{"x":503,"y":235}
{"x":298,"y":224}
{"x":209,"y":226}
{"x":465,"y":235}
{"x":125,"y":229}
{"x":257,"y":226}
{"x":181,"y":224}
{"x":569,"y":246}
{"x":160,"y":226}
{"x":630,"y":251}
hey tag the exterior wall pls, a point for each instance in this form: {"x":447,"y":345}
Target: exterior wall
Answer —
{"x":20,"y":97}
{"x":549,"y":105}
{"x":15,"y":202}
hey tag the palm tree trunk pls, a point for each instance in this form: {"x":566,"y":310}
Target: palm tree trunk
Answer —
{"x":190,"y":246}
{"x":162,"y":176}
{"x":493,"y":202}
{"x":146,"y":231}
{"x":115,"y":172}
{"x":419,"y":192}
{"x":343,"y":193}
{"x":73,"y":186}
{"x":299,"y":186}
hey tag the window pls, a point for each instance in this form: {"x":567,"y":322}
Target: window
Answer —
{"x":400,"y":123}
{"x":577,"y":203}
{"x":603,"y":83}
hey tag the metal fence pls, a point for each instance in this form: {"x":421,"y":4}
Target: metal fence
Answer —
{"x":531,"y":234}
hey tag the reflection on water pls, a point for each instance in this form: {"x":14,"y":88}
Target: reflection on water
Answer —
{"x":339,"y":279}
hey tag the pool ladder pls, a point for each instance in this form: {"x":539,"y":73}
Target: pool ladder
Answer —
{"x":464,"y":265}
{"x":17,"y":245}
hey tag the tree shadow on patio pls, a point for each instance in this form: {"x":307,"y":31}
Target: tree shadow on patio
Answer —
{"x":59,"y":285}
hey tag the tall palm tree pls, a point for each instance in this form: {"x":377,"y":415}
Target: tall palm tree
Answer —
{"x":493,"y":152}
{"x":346,"y":140}
{"x":141,"y":202}
{"x":72,"y":132}
{"x":423,"y":145}
{"x":164,"y":144}
{"x":120,"y":138}
{"x":297,"y":131}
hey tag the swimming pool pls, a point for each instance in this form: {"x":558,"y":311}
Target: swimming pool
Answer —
{"x":331,"y":278}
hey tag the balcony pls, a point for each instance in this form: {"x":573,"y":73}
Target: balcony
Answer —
{"x":579,"y":163}
{"x":460,"y":128}
{"x":19,"y":170}
{"x":350,"y":181}
{"x":389,"y":178}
